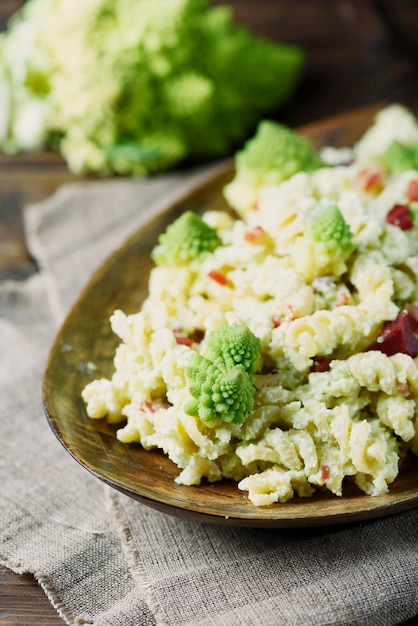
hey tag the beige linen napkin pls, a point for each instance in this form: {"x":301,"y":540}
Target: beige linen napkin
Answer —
{"x":106,"y":560}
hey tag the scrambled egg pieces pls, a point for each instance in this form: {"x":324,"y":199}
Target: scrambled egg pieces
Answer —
{"x":333,"y":400}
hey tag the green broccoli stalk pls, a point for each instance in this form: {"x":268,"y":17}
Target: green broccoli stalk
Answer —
{"x":221,"y":384}
{"x":137,"y":86}
{"x":186,"y":239}
{"x":330,"y":232}
{"x":273,"y":155}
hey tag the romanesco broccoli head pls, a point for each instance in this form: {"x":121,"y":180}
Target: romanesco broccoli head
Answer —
{"x":234,"y":345}
{"x":274,"y":154}
{"x":137,"y":86}
{"x":221,"y":383}
{"x":219,"y":392}
{"x":186,"y":239}
{"x":400,"y":157}
{"x":329,"y":230}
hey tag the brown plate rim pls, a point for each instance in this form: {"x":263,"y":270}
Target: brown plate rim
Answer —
{"x":189,"y":502}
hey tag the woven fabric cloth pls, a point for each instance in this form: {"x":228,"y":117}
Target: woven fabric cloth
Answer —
{"x":107,"y":560}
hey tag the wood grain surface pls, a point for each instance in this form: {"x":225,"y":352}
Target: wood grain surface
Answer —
{"x":359,"y":52}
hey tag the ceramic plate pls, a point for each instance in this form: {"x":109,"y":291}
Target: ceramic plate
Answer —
{"x":149,"y":476}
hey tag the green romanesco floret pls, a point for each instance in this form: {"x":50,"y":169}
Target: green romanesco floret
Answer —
{"x":186,"y":239}
{"x":221,"y":383}
{"x":274,"y":154}
{"x":218,"y":392}
{"x":400,"y":157}
{"x":330,"y":232}
{"x":137,"y":86}
{"x":234,"y":345}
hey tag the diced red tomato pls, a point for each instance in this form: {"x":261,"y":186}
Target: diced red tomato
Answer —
{"x":400,"y":216}
{"x":321,"y":364}
{"x":371,"y":178}
{"x":255,"y":234}
{"x":218,"y":277}
{"x":413,"y":317}
{"x":188,"y":340}
{"x":198,"y":335}
{"x":412,"y":191}
{"x":397,"y":336}
{"x":277,"y":320}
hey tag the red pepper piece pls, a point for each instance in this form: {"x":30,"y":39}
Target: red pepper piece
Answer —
{"x":184,"y":341}
{"x":342,"y":299}
{"x":370,"y":178}
{"x":149,"y":406}
{"x":325,"y":472}
{"x":255,"y":234}
{"x":400,"y":216}
{"x":153,"y":407}
{"x":412,"y":191}
{"x":181,"y":338}
{"x":217,"y":277}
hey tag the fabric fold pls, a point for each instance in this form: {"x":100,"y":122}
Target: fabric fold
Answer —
{"x":204,"y":575}
{"x":52,"y":518}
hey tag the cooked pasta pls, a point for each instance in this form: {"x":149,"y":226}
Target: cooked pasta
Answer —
{"x":335,"y":387}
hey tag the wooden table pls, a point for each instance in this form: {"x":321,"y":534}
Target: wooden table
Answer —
{"x":359,"y":52}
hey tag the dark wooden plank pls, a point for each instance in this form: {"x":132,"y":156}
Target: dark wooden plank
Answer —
{"x":24,"y":179}
{"x":23,"y":603}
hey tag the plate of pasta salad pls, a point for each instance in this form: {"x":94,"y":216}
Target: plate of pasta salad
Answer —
{"x":261,"y":370}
